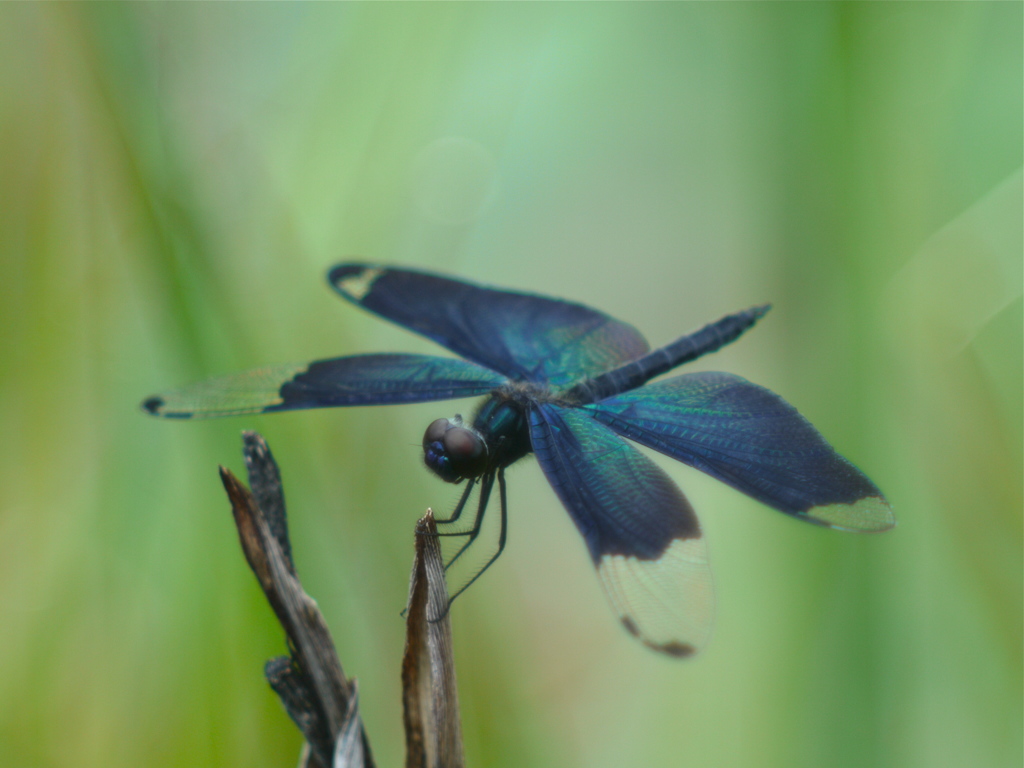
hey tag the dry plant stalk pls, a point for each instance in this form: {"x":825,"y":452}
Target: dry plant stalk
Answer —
{"x":310,"y":682}
{"x":433,"y":733}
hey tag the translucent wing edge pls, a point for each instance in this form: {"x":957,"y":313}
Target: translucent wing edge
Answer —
{"x":237,"y":394}
{"x":665,"y":600}
{"x":671,"y":608}
{"x":374,"y":379}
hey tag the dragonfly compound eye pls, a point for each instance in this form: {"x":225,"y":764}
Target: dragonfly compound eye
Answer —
{"x":435,"y":432}
{"x":453,"y":451}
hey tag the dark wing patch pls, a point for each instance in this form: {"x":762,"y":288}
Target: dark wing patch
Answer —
{"x":526,"y":337}
{"x":752,"y":439}
{"x":340,"y":381}
{"x":642,"y":533}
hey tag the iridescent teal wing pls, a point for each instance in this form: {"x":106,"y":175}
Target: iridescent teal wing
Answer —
{"x":340,"y":381}
{"x":752,"y":439}
{"x":642,"y":533}
{"x":526,"y":337}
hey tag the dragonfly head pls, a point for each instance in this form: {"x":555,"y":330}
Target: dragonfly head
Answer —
{"x":453,"y":450}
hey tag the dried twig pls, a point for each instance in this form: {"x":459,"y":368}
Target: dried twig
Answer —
{"x":311,"y":683}
{"x":433,"y":734}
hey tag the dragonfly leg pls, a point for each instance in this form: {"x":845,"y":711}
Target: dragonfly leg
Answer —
{"x":485,"y":493}
{"x":459,"y":507}
{"x":501,"y":539}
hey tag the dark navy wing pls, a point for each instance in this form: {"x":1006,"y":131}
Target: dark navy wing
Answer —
{"x":525,"y":337}
{"x":641,"y":531}
{"x":752,"y":439}
{"x":355,"y":380}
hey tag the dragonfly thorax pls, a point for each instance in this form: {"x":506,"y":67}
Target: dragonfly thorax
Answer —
{"x":453,"y":450}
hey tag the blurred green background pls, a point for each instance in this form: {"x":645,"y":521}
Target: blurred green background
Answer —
{"x":176,"y":179}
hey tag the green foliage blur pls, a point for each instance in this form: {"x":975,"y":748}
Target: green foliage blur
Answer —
{"x":175,"y":181}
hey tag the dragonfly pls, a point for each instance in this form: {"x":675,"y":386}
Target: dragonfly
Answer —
{"x":572,"y":386}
